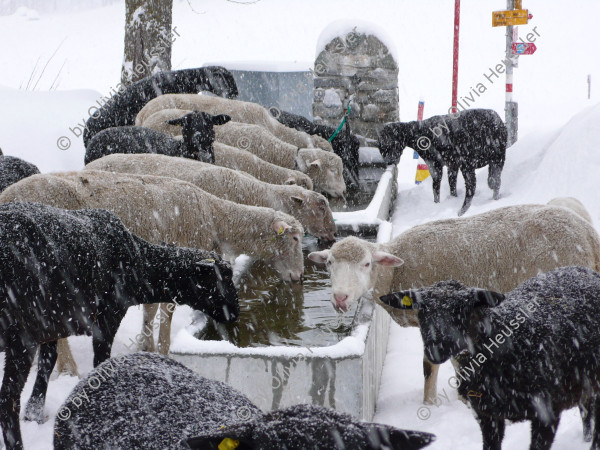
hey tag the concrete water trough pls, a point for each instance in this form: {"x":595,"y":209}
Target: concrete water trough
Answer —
{"x":289,"y":345}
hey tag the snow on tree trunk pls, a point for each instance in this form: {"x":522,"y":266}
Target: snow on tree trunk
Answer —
{"x":147,"y":39}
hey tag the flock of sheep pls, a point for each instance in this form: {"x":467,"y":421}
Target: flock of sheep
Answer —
{"x":176,"y":185}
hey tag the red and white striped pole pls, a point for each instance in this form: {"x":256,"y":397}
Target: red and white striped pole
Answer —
{"x":511,"y":108}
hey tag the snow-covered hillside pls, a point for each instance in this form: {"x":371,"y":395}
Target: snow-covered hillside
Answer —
{"x":558,"y":153}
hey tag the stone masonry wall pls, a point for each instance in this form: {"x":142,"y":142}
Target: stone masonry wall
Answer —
{"x":356,"y":69}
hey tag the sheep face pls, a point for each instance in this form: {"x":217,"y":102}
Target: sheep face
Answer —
{"x":198,"y":133}
{"x":205,"y":285}
{"x":300,"y":179}
{"x":285,"y":250}
{"x":312,"y":210}
{"x":352,"y":265}
{"x":307,"y":426}
{"x":325,"y":169}
{"x":392,"y":141}
{"x":448,"y":315}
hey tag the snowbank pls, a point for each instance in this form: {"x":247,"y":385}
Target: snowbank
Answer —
{"x":44,"y":128}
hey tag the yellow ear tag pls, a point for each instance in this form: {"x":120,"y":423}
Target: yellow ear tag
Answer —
{"x":228,"y":444}
{"x":406,"y":301}
{"x":280,"y":231}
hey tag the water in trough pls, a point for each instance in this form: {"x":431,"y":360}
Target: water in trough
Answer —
{"x":273,"y":312}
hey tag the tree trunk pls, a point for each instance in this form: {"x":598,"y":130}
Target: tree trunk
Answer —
{"x":148,"y":39}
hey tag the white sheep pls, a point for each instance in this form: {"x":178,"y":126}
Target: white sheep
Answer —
{"x":161,"y":209}
{"x":309,"y":207}
{"x":324,"y":168}
{"x":245,"y":112}
{"x":238,"y":159}
{"x":496,"y":250}
{"x":573,"y":204}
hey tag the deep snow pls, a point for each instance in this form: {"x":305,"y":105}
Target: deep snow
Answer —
{"x":552,"y":157}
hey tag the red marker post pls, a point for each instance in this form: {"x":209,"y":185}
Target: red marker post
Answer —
{"x":419,"y":118}
{"x":422,"y":169}
{"x":455,"y":55}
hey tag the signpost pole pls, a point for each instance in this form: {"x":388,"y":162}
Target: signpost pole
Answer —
{"x":511,"y":109}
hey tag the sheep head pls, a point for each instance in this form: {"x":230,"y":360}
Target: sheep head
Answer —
{"x":313,"y":212}
{"x":447,"y":313}
{"x":285,"y":247}
{"x":393,"y":138}
{"x":198,"y":133}
{"x":299,"y":179}
{"x":203,"y":281}
{"x":324,"y":168}
{"x":352,"y":264}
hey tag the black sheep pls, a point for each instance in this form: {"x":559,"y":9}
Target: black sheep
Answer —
{"x":145,"y":400}
{"x":196,"y":127}
{"x":344,"y":144}
{"x":526,"y":355}
{"x":13,"y":169}
{"x":65,"y":273}
{"x":121,"y":109}
{"x":463,"y":141}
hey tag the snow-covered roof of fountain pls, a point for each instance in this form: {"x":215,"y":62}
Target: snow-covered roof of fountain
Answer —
{"x":344,"y":26}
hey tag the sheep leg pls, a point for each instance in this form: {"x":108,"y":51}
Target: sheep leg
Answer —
{"x":34,"y":411}
{"x":587,"y":416}
{"x":19,"y":358}
{"x":66,"y":362}
{"x":436,"y":171}
{"x":542,"y":434}
{"x":104,"y":334}
{"x":595,"y":404}
{"x":494,"y":173}
{"x":147,"y":344}
{"x":452,"y":176}
{"x":430,"y":371}
{"x":492,"y":430}
{"x":470,"y":184}
{"x":456,"y":366}
{"x":164,"y":333}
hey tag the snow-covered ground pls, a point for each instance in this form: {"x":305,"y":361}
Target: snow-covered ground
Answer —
{"x":558,"y":153}
{"x":538,"y":168}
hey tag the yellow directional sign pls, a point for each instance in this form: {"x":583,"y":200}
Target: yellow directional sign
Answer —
{"x":510,"y":17}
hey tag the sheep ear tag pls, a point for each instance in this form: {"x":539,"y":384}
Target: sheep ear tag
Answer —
{"x":400,"y":300}
{"x":280,"y":231}
{"x":207,"y":261}
{"x":228,"y":444}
